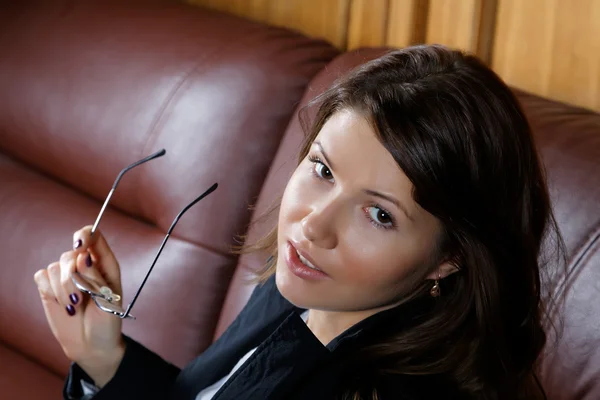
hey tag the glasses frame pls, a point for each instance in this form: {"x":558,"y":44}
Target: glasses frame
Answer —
{"x":104,"y":294}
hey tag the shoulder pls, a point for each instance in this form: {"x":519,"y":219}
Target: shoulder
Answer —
{"x":267,"y":292}
{"x":265,"y":306}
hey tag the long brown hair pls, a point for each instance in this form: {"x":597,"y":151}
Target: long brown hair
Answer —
{"x":459,"y":134}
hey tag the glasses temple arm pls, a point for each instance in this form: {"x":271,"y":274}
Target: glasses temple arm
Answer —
{"x":159,"y":153}
{"x":162,"y":245}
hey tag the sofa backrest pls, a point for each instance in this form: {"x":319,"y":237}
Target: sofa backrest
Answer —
{"x":568,"y":139}
{"x":88,"y":88}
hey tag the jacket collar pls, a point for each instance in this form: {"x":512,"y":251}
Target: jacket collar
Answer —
{"x":386,"y":321}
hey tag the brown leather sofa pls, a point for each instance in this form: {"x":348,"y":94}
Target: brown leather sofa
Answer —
{"x":87,"y":87}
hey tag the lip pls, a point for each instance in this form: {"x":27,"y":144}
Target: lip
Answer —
{"x":298,"y":268}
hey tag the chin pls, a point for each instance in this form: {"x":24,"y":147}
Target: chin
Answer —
{"x":294,"y":290}
{"x":285,"y":284}
{"x":303,"y":295}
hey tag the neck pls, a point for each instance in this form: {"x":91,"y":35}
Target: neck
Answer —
{"x":327,"y":325}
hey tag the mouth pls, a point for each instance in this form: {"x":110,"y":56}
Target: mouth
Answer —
{"x":306,"y":262}
{"x":301,"y":265}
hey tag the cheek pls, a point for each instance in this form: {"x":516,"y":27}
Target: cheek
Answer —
{"x":378,"y":261}
{"x":297,"y":196}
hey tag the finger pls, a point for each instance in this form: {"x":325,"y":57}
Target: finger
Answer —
{"x":83,"y":238}
{"x":44,"y":288}
{"x":54,"y":278}
{"x":86,"y":266}
{"x":53,"y":310}
{"x":100,"y":254}
{"x":67,"y":266}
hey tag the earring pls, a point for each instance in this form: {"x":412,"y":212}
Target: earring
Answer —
{"x":435,"y":290}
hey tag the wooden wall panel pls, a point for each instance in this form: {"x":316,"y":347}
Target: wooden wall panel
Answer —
{"x":367,"y":23}
{"x":548,"y":47}
{"x":463,"y":24}
{"x":327,"y":19}
{"x":551,"y":47}
{"x":453,"y":23}
{"x":407,"y":22}
{"x":395,"y":23}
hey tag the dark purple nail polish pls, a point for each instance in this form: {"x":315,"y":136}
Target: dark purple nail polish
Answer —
{"x":70,"y":310}
{"x":77,"y":244}
{"x":88,"y":260}
{"x":74,"y":298}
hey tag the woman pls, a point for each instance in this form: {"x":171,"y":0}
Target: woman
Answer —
{"x":405,"y":260}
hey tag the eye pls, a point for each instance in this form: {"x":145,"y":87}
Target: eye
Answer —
{"x":380,"y":217}
{"x":320,"y":169}
{"x":323,"y":171}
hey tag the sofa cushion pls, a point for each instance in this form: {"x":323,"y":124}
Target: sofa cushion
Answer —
{"x":88,"y":88}
{"x":21,"y":378}
{"x":569,"y":142}
{"x":179,"y":301}
{"x":572,"y":363}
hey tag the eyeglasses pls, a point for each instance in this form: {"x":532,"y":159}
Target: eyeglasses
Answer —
{"x":103,"y":296}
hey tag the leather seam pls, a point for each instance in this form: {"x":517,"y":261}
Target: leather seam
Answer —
{"x":587,"y":244}
{"x":224,"y":253}
{"x":576,"y":261}
{"x":169,"y":99}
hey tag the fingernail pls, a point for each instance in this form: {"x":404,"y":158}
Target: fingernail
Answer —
{"x":74,"y":298}
{"x":88,"y":260}
{"x":77,"y":244}
{"x":70,"y":310}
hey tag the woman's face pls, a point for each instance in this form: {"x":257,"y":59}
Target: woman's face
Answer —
{"x":348,"y":210}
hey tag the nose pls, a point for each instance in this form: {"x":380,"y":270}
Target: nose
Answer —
{"x":318,"y":226}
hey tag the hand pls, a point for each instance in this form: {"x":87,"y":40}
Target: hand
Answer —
{"x":89,"y":336}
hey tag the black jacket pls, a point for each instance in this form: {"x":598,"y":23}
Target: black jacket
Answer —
{"x":289,"y":363}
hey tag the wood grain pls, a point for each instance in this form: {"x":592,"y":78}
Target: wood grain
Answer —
{"x":548,"y":47}
{"x":407,"y":22}
{"x":367,"y":23}
{"x":463,"y":24}
{"x":551,"y":48}
{"x":327,"y":19}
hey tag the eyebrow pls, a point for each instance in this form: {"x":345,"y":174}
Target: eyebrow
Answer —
{"x":367,"y":191}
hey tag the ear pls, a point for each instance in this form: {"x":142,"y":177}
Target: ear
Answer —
{"x":443,"y":270}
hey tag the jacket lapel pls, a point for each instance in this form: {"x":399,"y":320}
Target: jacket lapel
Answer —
{"x":265,"y":311}
{"x":285,"y":357}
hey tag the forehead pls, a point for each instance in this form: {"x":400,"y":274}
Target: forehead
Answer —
{"x":355,"y":151}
